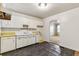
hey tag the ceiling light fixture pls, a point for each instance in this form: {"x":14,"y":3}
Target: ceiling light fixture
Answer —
{"x":42,"y":5}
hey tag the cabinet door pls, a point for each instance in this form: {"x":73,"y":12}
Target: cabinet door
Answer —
{"x":7,"y":44}
{"x":21,"y":42}
{"x":37,"y":38}
{"x":31,"y":40}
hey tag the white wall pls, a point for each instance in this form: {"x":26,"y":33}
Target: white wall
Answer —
{"x":17,"y":20}
{"x":69,"y":30}
{"x":29,"y":20}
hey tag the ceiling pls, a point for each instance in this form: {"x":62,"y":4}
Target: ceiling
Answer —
{"x":32,"y":9}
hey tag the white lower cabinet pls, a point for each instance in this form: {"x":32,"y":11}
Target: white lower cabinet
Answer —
{"x":31,"y":40}
{"x":25,"y":41}
{"x":7,"y":44}
{"x":12,"y":43}
{"x":21,"y":42}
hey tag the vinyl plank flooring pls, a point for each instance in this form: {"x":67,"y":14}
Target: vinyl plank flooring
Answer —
{"x":42,"y":49}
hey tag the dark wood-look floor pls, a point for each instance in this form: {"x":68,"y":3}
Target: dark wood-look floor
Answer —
{"x":42,"y":49}
{"x":66,"y":52}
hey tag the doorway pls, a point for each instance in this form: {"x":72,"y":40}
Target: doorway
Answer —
{"x":54,"y":31}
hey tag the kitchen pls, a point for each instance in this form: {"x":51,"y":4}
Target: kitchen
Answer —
{"x":16,"y":32}
{"x":38,"y":30}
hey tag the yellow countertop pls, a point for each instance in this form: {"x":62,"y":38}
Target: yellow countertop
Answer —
{"x":7,"y":33}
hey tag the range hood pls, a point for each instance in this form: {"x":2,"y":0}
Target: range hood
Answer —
{"x":4,"y":15}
